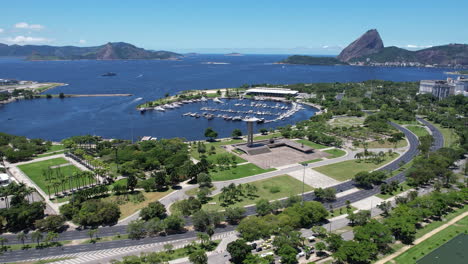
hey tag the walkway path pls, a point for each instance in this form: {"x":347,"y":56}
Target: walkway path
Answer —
{"x":423,"y":238}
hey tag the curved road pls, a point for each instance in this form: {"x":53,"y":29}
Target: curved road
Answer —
{"x":21,"y":255}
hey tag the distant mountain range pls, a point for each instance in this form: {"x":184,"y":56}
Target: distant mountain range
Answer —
{"x":109,"y":51}
{"x":369,"y":50}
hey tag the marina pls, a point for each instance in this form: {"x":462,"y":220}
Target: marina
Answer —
{"x":234,"y":109}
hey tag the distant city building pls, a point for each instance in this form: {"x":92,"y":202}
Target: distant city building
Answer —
{"x":444,"y":88}
{"x":8,"y":82}
{"x":272,"y":92}
{"x":147,"y":138}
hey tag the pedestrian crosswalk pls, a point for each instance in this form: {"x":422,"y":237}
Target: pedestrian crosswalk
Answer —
{"x":107,"y":254}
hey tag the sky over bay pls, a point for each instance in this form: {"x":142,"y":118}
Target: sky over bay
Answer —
{"x":268,"y":27}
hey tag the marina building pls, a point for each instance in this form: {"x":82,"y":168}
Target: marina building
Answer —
{"x":271,"y":92}
{"x":444,"y":88}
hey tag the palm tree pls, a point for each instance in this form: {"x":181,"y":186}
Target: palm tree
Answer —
{"x":3,"y":240}
{"x":37,"y":236}
{"x":27,"y":192}
{"x":22,"y":237}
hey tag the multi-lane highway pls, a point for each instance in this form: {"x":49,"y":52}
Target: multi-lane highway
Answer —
{"x":121,"y":229}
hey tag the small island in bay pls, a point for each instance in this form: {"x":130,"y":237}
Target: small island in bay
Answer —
{"x":234,"y":54}
{"x":309,"y":60}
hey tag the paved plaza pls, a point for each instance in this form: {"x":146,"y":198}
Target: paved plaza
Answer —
{"x":314,"y":178}
{"x":282,"y":156}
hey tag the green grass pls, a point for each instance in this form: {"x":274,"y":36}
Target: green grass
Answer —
{"x":34,"y":171}
{"x":105,"y":239}
{"x":240,"y":171}
{"x":344,"y":210}
{"x":403,"y":122}
{"x":347,"y":121}
{"x":194,"y":191}
{"x":387,"y":195}
{"x":433,"y":225}
{"x":419,"y":131}
{"x":47,"y":87}
{"x":263,"y":137}
{"x":56,"y":148}
{"x":346,"y":170}
{"x":311,"y":161}
{"x":386,"y":144}
{"x":450,"y":137}
{"x":428,"y":245}
{"x":127,"y":207}
{"x":220,"y":151}
{"x":285,"y":186}
{"x":34,"y":245}
{"x":335,"y":153}
{"x":311,"y":144}
{"x":48,"y":154}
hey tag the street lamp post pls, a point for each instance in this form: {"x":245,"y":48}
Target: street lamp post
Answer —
{"x":304,"y":165}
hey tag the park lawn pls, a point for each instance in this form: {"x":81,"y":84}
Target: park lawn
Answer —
{"x":427,"y":246}
{"x":404,"y":122}
{"x":194,"y":191}
{"x":419,"y":131}
{"x":388,"y":195}
{"x":335,"y":153}
{"x":263,"y":137}
{"x":213,"y":158}
{"x":34,"y":170}
{"x":386,"y":144}
{"x":240,"y":171}
{"x":127,"y":207}
{"x":347,"y":121}
{"x":450,"y":137}
{"x":47,"y":154}
{"x":344,"y":210}
{"x":346,"y":170}
{"x":56,"y":148}
{"x":285,"y":186}
{"x":311,"y":161}
{"x":311,"y":144}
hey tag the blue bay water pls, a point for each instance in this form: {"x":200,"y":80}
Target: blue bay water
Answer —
{"x":116,"y":117}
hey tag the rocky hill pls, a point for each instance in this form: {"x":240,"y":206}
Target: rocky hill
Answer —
{"x":367,"y":44}
{"x":369,"y":50}
{"x":109,"y":51}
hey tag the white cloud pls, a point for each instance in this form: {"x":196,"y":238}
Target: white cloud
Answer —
{"x":325,"y":47}
{"x":26,"y":40}
{"x":2,"y":30}
{"x":82,"y":41}
{"x":25,"y":25}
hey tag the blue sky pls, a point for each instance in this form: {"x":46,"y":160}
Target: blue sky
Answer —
{"x":255,"y":26}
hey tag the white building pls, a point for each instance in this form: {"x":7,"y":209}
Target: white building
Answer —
{"x":444,"y":88}
{"x":4,"y":179}
{"x":272,"y":92}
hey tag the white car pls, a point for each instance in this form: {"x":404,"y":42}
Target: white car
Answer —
{"x":266,"y":254}
{"x":300,"y":254}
